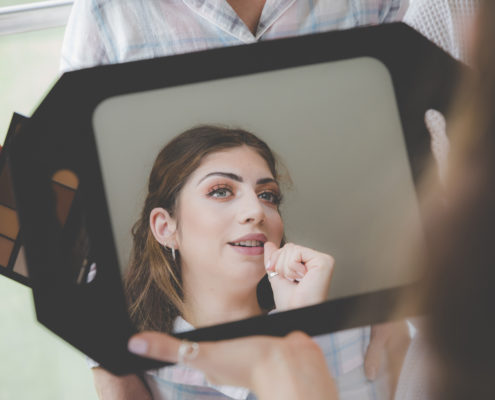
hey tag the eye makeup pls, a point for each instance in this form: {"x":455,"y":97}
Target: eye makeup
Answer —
{"x":64,"y":186}
{"x":220,"y":191}
{"x":11,"y":264}
{"x":10,"y":244}
{"x":66,"y":178}
{"x":20,"y":266}
{"x":270,"y":196}
{"x":6,"y":248}
{"x":9,"y":226}
{"x":268,"y":191}
{"x":64,"y":196}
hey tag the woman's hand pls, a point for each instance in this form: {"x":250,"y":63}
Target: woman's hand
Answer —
{"x":274,"y":368}
{"x":303,"y":275}
{"x":112,"y":387}
{"x":389,"y":343}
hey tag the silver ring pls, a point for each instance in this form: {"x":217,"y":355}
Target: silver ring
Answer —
{"x":272,"y":274}
{"x":188,"y":351}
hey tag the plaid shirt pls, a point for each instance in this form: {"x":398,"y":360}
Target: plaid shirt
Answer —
{"x":344,"y":352}
{"x":115,"y":31}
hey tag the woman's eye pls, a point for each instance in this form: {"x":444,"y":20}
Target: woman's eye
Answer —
{"x":220,"y":193}
{"x":270,"y":196}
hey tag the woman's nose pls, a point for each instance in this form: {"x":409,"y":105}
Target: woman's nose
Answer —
{"x":252,"y":210}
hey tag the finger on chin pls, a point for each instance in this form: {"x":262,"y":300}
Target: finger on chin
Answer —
{"x":269,"y":249}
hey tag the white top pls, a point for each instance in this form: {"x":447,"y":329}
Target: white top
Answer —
{"x":115,"y":31}
{"x":445,"y":22}
{"x":417,"y":368}
{"x":344,"y":352}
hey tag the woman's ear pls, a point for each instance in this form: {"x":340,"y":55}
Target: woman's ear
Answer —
{"x":163,"y":226}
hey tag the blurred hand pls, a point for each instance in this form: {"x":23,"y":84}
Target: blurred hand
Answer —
{"x":388,"y":346}
{"x":274,"y":368}
{"x":112,"y":387}
{"x":303,"y":275}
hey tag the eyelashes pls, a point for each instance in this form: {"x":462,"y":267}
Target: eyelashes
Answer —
{"x":271,"y":196}
{"x":223,"y":192}
{"x":220,"y":191}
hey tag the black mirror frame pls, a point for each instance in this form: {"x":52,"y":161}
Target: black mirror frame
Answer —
{"x":59,"y":135}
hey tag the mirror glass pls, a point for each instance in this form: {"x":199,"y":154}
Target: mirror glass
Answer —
{"x":336,"y":128}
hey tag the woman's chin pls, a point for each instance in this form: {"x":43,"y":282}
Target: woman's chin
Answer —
{"x":246,"y":274}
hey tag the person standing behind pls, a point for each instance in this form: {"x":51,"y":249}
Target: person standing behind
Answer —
{"x":116,"y":31}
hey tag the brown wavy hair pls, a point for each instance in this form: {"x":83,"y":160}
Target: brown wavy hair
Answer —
{"x":153,"y":282}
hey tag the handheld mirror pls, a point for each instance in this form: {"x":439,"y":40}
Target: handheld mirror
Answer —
{"x":343,"y":110}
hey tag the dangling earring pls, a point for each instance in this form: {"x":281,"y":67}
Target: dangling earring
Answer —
{"x":172,"y":249}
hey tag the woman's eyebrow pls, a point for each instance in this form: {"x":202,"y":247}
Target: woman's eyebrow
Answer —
{"x":266,"y":180}
{"x":237,"y":178}
{"x":225,"y":174}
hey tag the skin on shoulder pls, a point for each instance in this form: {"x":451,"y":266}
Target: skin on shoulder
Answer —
{"x":248,"y":11}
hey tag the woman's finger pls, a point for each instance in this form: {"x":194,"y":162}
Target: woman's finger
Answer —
{"x":296,"y":268}
{"x":271,"y":254}
{"x":289,"y":264}
{"x":282,"y":264}
{"x":155,"y":345}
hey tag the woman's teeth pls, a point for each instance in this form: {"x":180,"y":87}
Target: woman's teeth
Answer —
{"x":249,"y":243}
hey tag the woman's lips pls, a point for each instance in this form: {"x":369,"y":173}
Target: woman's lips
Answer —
{"x":251,"y":251}
{"x":260,"y":237}
{"x":250,"y":244}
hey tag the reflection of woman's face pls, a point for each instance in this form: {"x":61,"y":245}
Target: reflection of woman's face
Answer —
{"x":226,"y":211}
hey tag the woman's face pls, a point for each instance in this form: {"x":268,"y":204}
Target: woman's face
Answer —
{"x":227,"y":209}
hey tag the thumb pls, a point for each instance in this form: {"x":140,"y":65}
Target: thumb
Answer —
{"x":270,"y":249}
{"x":158,"y":346}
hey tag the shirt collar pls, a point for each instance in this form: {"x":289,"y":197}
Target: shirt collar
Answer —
{"x":221,"y":14}
{"x":181,"y":325}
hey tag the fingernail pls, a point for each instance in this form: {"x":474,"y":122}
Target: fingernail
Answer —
{"x":137,"y":346}
{"x":371,"y":373}
{"x":268,"y":264}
